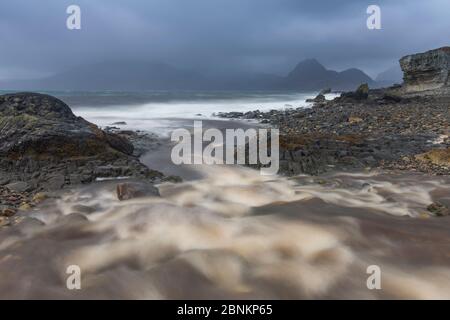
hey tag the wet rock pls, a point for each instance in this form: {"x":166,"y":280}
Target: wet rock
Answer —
{"x":436,"y":156}
{"x":438,"y":209}
{"x":119,"y":123}
{"x":45,"y":144}
{"x":39,"y":197}
{"x":131,"y":190}
{"x":25,"y":207}
{"x":4,"y":221}
{"x":19,"y":186}
{"x":7,"y":212}
{"x":325,"y":91}
{"x":83,"y":209}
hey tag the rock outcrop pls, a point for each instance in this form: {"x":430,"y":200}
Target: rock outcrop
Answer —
{"x":44,"y":145}
{"x":426,"y":71}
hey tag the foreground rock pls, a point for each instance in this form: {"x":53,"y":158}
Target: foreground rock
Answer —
{"x":44,"y":146}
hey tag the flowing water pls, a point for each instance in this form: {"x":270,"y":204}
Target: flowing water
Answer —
{"x":229,"y":232}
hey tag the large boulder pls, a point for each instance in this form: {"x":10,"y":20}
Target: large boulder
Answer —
{"x":426,"y":71}
{"x":44,"y":143}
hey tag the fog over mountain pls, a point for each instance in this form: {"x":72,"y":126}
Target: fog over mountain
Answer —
{"x":308,"y":75}
{"x":226,"y":40}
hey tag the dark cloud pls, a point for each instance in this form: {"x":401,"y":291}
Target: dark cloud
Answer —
{"x":255,"y":35}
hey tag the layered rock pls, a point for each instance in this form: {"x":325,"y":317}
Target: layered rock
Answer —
{"x":426,"y":71}
{"x":43,"y":144}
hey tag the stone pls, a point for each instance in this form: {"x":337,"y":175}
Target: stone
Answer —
{"x":325,"y":91}
{"x":39,"y":197}
{"x":353,"y":120}
{"x":362,"y":92}
{"x":131,"y":190}
{"x":4,"y":221}
{"x":43,"y":142}
{"x":25,"y":207}
{"x":8,"y":212}
{"x":55,"y":182}
{"x":426,"y":71}
{"x":438,"y":209}
{"x":83,"y":209}
{"x":436,"y":156}
{"x":19,"y":186}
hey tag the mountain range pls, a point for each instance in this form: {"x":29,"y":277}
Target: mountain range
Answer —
{"x":308,"y":75}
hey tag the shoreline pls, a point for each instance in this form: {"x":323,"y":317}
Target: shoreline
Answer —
{"x":386,"y":130}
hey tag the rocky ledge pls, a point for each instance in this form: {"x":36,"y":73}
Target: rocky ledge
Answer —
{"x":427,"y":71}
{"x":44,"y":147}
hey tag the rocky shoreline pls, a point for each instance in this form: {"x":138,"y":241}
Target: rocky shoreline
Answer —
{"x":365,"y":129}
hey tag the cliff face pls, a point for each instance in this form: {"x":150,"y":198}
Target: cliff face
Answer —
{"x":426,"y":71}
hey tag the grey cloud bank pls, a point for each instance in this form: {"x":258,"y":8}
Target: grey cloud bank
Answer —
{"x":216,"y":36}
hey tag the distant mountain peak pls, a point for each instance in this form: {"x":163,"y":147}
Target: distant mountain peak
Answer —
{"x":309,"y":65}
{"x":310,"y":74}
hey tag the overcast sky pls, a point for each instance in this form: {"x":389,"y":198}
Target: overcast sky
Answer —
{"x":214,"y":35}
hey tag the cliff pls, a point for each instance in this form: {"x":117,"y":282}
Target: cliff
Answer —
{"x":426,"y":71}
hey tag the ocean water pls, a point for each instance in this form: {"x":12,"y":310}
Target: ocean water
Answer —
{"x":160,"y":111}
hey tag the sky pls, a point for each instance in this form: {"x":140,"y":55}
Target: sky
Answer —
{"x":217,"y":36}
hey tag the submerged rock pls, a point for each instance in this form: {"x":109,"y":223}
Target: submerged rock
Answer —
{"x":131,"y":190}
{"x":438,"y":209}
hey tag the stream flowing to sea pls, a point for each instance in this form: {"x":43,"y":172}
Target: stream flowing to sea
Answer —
{"x":226,"y":231}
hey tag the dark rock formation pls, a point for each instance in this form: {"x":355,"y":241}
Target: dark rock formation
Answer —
{"x":45,"y":145}
{"x":426,"y":71}
{"x":361,"y":93}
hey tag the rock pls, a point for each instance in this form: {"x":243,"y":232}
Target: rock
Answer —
{"x":119,"y":123}
{"x":7,"y":212}
{"x":319,"y":98}
{"x":4,"y":221}
{"x":172,"y":179}
{"x":388,"y":97}
{"x":25,"y":207}
{"x":325,"y":91}
{"x":39,"y":197}
{"x":131,"y":190}
{"x":44,"y":143}
{"x":83,"y":209}
{"x":19,"y":186}
{"x":362,"y":92}
{"x":426,"y":71}
{"x":353,"y":120}
{"x":436,"y":156}
{"x":55,"y":182}
{"x":438,"y":209}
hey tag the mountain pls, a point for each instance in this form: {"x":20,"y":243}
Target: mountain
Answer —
{"x":308,"y":75}
{"x":391,"y":76}
{"x":117,"y":75}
